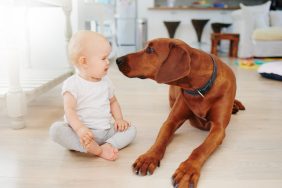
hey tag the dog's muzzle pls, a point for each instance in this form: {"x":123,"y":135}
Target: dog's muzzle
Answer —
{"x":123,"y":65}
{"x":121,"y":60}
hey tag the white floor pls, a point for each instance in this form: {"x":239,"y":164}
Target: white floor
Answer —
{"x":250,"y":156}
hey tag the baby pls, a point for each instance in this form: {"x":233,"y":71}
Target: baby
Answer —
{"x":90,"y":103}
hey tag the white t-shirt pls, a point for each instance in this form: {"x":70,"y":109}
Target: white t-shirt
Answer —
{"x":93,"y":100}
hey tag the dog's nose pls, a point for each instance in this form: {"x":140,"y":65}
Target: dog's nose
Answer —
{"x":120,"y":60}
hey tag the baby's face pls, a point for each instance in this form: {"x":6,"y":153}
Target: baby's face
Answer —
{"x":97,"y":60}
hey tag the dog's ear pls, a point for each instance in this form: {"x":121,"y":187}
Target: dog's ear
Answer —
{"x":176,"y":65}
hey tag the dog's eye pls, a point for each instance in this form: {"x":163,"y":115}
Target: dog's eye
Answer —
{"x":149,"y":50}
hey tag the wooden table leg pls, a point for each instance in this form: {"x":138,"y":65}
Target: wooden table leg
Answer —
{"x":214,"y":46}
{"x":231,"y":48}
{"x":235,"y":48}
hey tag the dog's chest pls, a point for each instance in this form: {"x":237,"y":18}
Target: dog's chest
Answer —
{"x":198,"y":106}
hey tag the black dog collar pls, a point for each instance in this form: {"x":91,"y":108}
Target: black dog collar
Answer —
{"x":204,"y":89}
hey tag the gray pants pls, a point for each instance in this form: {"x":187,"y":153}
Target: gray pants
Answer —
{"x":63,"y":134}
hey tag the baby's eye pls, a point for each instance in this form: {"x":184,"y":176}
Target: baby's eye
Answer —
{"x":149,"y":50}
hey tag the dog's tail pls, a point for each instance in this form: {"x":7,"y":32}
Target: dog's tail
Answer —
{"x":237,"y":105}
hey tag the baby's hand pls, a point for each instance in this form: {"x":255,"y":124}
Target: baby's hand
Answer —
{"x":85,"y":136}
{"x":121,"y":125}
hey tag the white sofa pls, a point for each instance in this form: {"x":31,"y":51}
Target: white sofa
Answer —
{"x":260,"y":31}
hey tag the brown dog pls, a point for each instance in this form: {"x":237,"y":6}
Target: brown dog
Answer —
{"x":202,"y":90}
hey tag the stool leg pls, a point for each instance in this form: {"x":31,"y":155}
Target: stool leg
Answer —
{"x":235,"y":47}
{"x":231,"y":48}
{"x":214,"y":46}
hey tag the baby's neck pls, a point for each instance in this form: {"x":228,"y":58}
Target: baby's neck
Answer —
{"x":88,"y":78}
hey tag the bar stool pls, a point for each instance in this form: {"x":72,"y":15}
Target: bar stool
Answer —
{"x":217,"y":26}
{"x":171,"y":27}
{"x":199,"y":25}
{"x":234,"y":41}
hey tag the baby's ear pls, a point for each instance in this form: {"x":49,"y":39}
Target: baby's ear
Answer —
{"x":82,"y":61}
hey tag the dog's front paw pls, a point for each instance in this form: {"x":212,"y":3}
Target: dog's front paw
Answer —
{"x":187,"y":175}
{"x":146,"y":164}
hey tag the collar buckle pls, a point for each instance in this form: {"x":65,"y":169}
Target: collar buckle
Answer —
{"x":200,"y":93}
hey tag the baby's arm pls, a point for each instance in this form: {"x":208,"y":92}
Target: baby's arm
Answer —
{"x":85,"y":134}
{"x":70,"y":112}
{"x":120,"y":123}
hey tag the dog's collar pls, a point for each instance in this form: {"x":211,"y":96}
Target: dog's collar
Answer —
{"x":204,"y":89}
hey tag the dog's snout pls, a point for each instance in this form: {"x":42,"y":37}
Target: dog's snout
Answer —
{"x":123,"y":64}
{"x":120,"y":60}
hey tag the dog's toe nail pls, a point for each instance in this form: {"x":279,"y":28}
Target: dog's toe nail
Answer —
{"x":148,"y":173}
{"x":137,"y":172}
{"x":191,"y":185}
{"x":159,"y":164}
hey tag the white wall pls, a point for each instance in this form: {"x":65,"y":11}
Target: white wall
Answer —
{"x":45,"y":27}
{"x":47,"y":37}
{"x":90,"y":11}
{"x":47,"y":31}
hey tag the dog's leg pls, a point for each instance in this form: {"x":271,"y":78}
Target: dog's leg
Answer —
{"x":174,"y":92}
{"x":188,"y":173}
{"x":148,"y":162}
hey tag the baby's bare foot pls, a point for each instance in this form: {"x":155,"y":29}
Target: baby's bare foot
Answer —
{"x":109,"y":152}
{"x":93,"y":148}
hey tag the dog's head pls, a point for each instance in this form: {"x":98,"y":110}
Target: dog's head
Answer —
{"x":163,"y":60}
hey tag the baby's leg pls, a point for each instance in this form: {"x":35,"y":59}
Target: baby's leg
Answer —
{"x":109,"y":152}
{"x":63,"y":134}
{"x":105,"y":151}
{"x":121,"y":139}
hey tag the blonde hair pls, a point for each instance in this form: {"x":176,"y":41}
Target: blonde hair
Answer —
{"x":79,"y":43}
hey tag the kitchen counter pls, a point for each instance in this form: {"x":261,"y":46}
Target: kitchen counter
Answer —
{"x":192,"y":8}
